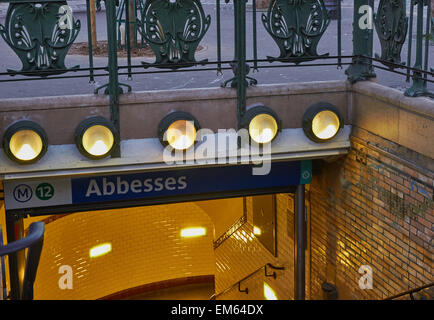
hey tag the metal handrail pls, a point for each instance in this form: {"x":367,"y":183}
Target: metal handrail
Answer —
{"x":2,"y":270}
{"x":33,"y":242}
{"x":410,"y":292}
{"x":246,"y":290}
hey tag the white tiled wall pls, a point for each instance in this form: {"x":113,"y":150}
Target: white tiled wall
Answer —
{"x":146,"y":248}
{"x":242,"y":254}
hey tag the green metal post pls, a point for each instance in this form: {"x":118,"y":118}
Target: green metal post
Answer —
{"x":128,"y":36}
{"x":300,"y":244}
{"x":240,"y":68}
{"x":363,"y":27}
{"x":241,"y":57}
{"x":14,"y":232}
{"x":219,"y":48}
{"x":427,"y":34}
{"x":89,"y":40}
{"x":113,"y":85}
{"x":255,"y":38}
{"x":410,"y":38}
{"x":419,"y":87}
{"x":339,"y":34}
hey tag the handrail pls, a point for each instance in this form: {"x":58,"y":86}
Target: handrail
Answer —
{"x":410,"y":292}
{"x":246,"y":290}
{"x":33,"y":241}
{"x":2,"y":270}
{"x":234,"y":228}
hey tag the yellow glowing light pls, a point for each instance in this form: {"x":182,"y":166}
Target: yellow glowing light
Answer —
{"x":98,"y":140}
{"x":269,"y":293}
{"x":193,"y":232}
{"x":325,"y":125}
{"x":263,"y":128}
{"x":257,"y":231}
{"x":25,"y":145}
{"x":181,"y":134}
{"x":100,"y":250}
{"x":99,"y":148}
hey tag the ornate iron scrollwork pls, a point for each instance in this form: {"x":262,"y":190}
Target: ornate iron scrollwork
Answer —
{"x":296,"y":26}
{"x":173,"y":29}
{"x":391,"y":24}
{"x":40,"y":33}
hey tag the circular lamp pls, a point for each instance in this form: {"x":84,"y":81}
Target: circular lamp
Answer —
{"x":178,"y":129}
{"x":322,"y":122}
{"x":25,"y":142}
{"x":96,"y":137}
{"x":262,"y":123}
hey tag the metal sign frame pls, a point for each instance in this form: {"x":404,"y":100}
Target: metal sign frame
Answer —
{"x":197,"y":189}
{"x":15,"y":217}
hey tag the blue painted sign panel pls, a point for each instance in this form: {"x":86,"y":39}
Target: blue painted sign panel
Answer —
{"x":153,"y":184}
{"x":182,"y":182}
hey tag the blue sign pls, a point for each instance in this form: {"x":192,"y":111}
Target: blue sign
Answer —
{"x":193,"y":181}
{"x":235,"y":179}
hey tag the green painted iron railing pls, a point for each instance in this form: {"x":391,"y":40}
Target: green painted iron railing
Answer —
{"x":296,"y":27}
{"x":41,"y":32}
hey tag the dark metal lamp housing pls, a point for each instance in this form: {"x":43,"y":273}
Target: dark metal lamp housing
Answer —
{"x":322,"y":122}
{"x":178,"y":129}
{"x":96,"y":137}
{"x":25,"y":142}
{"x":262,"y":123}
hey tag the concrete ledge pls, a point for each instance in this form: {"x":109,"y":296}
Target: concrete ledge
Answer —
{"x":230,"y":93}
{"x":53,"y":102}
{"x":380,"y":110}
{"x":299,"y":88}
{"x":147,"y":154}
{"x":422,"y":105}
{"x":387,"y":113}
{"x":140,"y":112}
{"x":73,"y":101}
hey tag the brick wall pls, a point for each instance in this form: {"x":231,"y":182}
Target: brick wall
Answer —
{"x":371,"y":208}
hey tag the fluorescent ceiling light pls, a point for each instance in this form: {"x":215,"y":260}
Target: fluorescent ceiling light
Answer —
{"x":193,"y":232}
{"x":100,"y":250}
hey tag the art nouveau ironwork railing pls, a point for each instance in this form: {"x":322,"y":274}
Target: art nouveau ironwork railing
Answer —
{"x":40,"y":32}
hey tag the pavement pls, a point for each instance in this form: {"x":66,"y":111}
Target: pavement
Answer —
{"x":200,"y":79}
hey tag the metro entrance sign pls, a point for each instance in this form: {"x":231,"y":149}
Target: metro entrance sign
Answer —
{"x":95,"y":191}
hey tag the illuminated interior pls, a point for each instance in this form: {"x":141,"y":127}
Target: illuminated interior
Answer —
{"x":151,"y":252}
{"x":100,"y":250}
{"x":263,"y":128}
{"x":257,"y":231}
{"x":269,"y":293}
{"x":98,"y":140}
{"x":193,"y":232}
{"x":25,"y":145}
{"x":325,"y":124}
{"x":181,"y":134}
